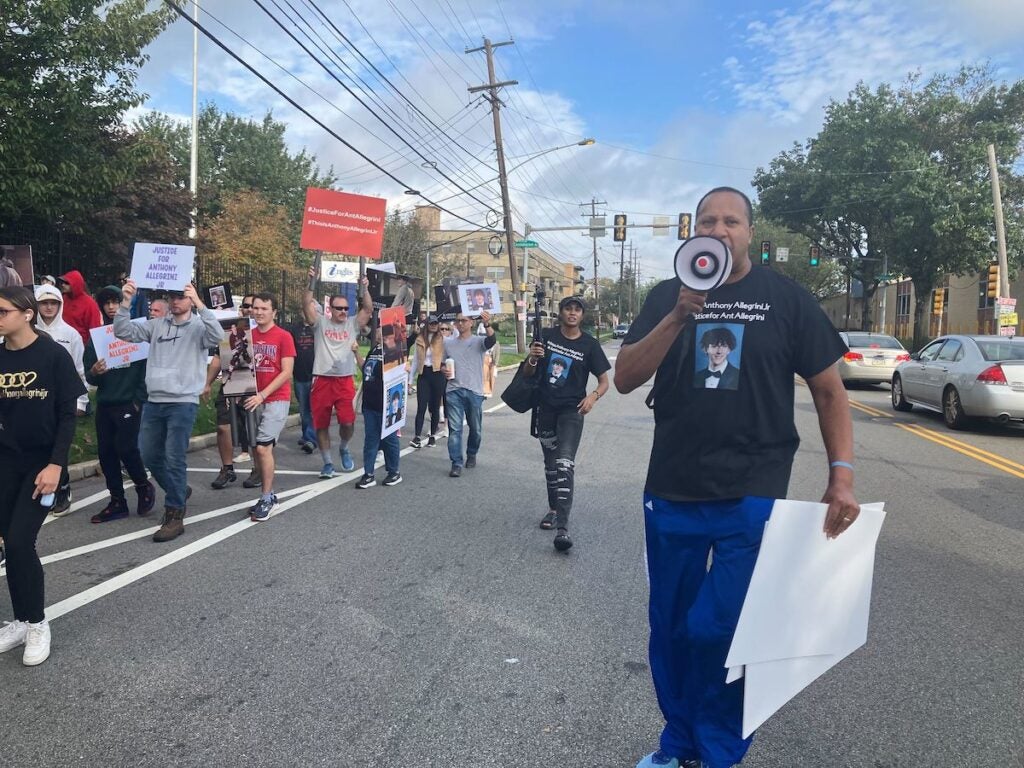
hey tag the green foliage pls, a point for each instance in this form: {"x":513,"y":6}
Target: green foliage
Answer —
{"x":823,"y":281}
{"x":900,"y":175}
{"x":69,"y":75}
{"x":236,"y":155}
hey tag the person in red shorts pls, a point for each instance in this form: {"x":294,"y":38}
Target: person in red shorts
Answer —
{"x":334,"y":367}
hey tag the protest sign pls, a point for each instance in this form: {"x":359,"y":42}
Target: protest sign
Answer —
{"x":479,"y":297}
{"x":391,"y":290}
{"x":394,"y":337}
{"x":21,"y":258}
{"x":238,"y":376}
{"x":162,"y":267}
{"x":115,"y":352}
{"x":341,"y":222}
{"x":446,"y":302}
{"x":219,"y":296}
{"x":396,"y":396}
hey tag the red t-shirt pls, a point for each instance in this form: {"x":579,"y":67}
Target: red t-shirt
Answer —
{"x":268,"y":350}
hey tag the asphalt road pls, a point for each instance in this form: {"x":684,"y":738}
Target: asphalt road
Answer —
{"x":433,"y":624}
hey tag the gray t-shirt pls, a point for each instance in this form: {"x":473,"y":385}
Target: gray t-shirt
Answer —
{"x":332,"y":347}
{"x":468,"y":355}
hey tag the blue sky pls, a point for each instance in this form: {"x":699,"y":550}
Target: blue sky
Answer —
{"x":679,"y":97}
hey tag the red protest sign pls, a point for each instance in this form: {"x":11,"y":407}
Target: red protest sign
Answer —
{"x":341,"y":222}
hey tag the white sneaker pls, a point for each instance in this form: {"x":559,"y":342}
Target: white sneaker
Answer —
{"x":242,"y":458}
{"x":12,"y":635}
{"x":37,"y":644}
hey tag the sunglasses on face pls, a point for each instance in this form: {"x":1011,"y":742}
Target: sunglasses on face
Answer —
{"x":445,"y":329}
{"x":339,"y":308}
{"x":246,"y":306}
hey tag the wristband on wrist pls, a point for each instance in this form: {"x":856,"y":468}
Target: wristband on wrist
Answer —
{"x":846,"y":464}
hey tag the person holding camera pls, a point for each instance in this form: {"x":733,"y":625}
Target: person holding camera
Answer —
{"x":39,"y":390}
{"x":566,"y":357}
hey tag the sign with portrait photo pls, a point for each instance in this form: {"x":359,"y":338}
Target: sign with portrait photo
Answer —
{"x":393,"y":290}
{"x":219,"y":296}
{"x":479,"y":297}
{"x":237,"y":373}
{"x":394,"y":338}
{"x":396,"y":399}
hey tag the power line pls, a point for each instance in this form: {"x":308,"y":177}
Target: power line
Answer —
{"x":224,"y":47}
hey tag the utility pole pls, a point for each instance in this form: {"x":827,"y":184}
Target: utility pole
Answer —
{"x":622,"y":259}
{"x":492,"y":96}
{"x":597,"y":295}
{"x":193,"y":175}
{"x":997,"y":202}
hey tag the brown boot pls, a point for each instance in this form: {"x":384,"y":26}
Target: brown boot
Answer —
{"x":173,"y":524}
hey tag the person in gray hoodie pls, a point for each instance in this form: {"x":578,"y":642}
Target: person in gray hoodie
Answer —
{"x":175,"y":377}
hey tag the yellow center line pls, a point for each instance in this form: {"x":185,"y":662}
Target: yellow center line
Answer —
{"x":939,"y":440}
{"x":968,"y":446}
{"x":869,"y":409}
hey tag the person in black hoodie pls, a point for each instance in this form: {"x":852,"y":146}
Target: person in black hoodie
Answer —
{"x":39,"y":387}
{"x":120,"y":393}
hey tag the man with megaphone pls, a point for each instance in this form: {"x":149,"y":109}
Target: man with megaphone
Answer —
{"x":724,"y":339}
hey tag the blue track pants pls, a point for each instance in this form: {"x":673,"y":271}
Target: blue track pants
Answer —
{"x":693,"y":615}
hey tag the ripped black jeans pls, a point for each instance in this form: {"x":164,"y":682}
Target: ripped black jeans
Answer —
{"x":559,"y":433}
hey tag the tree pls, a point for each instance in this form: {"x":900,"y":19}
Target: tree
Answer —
{"x":237,"y":154}
{"x":69,"y":75}
{"x":899,"y":176}
{"x":822,"y":282}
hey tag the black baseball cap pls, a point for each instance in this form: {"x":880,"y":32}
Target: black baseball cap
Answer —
{"x":572,"y":300}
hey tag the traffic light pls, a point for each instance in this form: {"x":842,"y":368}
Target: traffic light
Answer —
{"x":766,"y":253}
{"x":938,"y":300}
{"x":815,"y":255}
{"x":993,"y":281}
{"x":684,"y":226}
{"x":619,"y":232}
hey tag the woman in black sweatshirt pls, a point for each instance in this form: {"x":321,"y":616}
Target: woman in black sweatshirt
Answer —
{"x":39,"y":387}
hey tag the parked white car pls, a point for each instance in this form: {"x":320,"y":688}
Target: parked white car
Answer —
{"x":872,"y":357}
{"x":964,"y":377}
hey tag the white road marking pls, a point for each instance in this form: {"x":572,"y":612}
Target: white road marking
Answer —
{"x":492,"y":410}
{"x":276,"y":471}
{"x":111,"y":585}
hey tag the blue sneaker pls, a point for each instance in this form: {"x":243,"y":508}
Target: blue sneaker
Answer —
{"x":658,"y":758}
{"x":262,"y":509}
{"x":346,"y":460}
{"x":327,"y":472}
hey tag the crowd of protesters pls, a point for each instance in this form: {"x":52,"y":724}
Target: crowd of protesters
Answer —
{"x":145,"y":411}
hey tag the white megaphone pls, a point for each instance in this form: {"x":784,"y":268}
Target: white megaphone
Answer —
{"x":703,"y":263}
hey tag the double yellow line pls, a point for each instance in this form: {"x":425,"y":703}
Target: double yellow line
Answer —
{"x":940,"y":438}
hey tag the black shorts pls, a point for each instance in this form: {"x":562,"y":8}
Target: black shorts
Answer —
{"x":221,"y":408}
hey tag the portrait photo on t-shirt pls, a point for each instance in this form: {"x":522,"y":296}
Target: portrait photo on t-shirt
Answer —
{"x":719,"y":351}
{"x":558,"y":370}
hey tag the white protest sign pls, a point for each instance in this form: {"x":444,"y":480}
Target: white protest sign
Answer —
{"x":115,"y":352}
{"x":339,"y":271}
{"x":162,"y":267}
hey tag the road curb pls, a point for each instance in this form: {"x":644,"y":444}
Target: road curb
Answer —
{"x":85,"y":469}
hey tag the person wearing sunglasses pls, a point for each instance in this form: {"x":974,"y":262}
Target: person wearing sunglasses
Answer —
{"x":334,"y":367}
{"x":465,"y":390}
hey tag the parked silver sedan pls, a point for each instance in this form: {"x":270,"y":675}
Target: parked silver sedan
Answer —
{"x":872,"y":357}
{"x":964,"y":377}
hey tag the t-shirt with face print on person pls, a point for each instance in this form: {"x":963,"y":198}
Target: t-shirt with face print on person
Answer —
{"x":725,"y":442}
{"x":567,"y":366}
{"x":373,"y":380}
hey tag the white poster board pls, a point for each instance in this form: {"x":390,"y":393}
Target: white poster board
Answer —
{"x":115,"y":352}
{"x":162,"y":267}
{"x":479,"y":297}
{"x":807,"y":605}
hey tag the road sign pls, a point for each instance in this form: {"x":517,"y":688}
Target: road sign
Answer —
{"x":661,"y":225}
{"x":1009,"y":319}
{"x":526,"y":244}
{"x":782,"y":254}
{"x":597,"y":227}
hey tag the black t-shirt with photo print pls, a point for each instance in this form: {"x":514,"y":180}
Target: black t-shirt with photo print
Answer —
{"x":733,"y":437}
{"x":566,"y":366}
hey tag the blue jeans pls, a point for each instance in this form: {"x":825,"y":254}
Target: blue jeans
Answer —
{"x":693,"y":614}
{"x":372,"y":423}
{"x":163,"y":437}
{"x":461,"y":402}
{"x":302,"y":390}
